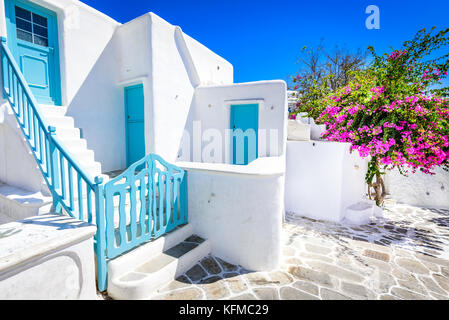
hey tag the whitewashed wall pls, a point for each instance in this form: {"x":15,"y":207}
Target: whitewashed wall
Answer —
{"x":419,"y":189}
{"x":83,"y":34}
{"x":239,"y":209}
{"x":88,"y":57}
{"x":17,"y":165}
{"x":170,"y":65}
{"x":98,"y":108}
{"x":174,"y":81}
{"x":211,"y":111}
{"x":323,"y":179}
{"x":99,"y":57}
{"x":211,"y":68}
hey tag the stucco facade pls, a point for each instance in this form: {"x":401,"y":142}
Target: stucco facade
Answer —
{"x":184,"y":85}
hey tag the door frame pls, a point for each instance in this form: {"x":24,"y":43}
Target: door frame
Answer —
{"x":126,"y":88}
{"x":53,"y":41}
{"x":236,"y":104}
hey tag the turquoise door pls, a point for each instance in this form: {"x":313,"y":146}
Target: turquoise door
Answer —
{"x":244,"y":128}
{"x":135,"y":125}
{"x":32,"y":36}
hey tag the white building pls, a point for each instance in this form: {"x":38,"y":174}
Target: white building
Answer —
{"x":139,"y":133}
{"x":85,"y":96}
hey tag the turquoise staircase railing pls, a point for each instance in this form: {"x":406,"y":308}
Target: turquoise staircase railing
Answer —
{"x":154,"y":190}
{"x":71,"y":187}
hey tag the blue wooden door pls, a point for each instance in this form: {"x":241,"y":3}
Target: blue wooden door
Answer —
{"x":244,"y":127}
{"x":32,"y":36}
{"x":135,"y":125}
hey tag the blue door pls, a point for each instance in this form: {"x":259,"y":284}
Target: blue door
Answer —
{"x":244,"y":128}
{"x":135,"y":128}
{"x":32,"y":36}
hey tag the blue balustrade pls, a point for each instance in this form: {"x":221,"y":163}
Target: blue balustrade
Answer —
{"x":55,"y":162}
{"x":146,"y":201}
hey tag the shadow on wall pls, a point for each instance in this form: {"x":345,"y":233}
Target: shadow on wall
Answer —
{"x":186,"y":58}
{"x":98,"y":110}
{"x":186,"y":144}
{"x":185,"y":147}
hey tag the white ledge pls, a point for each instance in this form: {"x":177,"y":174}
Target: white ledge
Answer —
{"x":23,"y":197}
{"x":271,"y":166}
{"x":34,"y":237}
{"x":244,"y":84}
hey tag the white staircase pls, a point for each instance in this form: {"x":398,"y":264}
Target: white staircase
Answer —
{"x":17,"y":203}
{"x":140,"y":273}
{"x":70,"y":136}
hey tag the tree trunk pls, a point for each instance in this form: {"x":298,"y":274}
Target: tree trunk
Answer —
{"x":378,"y":189}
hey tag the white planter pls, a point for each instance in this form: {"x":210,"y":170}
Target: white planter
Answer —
{"x":298,"y":131}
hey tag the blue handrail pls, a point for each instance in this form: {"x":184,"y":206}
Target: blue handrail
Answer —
{"x":161,"y":193}
{"x":57,"y":165}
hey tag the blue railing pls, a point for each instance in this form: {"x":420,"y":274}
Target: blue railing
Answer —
{"x":157,"y":193}
{"x":146,"y":201}
{"x":72,"y":189}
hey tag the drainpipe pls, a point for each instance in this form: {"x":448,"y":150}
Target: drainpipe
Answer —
{"x":186,"y":57}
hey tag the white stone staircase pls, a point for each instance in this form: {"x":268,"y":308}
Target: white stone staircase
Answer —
{"x":17,"y":203}
{"x":70,"y":136}
{"x":140,"y":273}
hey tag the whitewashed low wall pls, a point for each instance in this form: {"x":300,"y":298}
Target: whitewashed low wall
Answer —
{"x":47,"y":258}
{"x":419,"y":189}
{"x":239,"y":209}
{"x":323,"y":179}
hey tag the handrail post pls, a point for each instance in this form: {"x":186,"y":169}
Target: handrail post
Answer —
{"x":184,"y":198}
{"x":100,"y":221}
{"x":53,"y":170}
{"x":4,"y":66}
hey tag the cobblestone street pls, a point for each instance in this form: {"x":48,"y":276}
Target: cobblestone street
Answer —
{"x":404,"y":255}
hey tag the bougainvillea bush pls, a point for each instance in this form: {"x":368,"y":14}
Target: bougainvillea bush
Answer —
{"x":396,"y":112}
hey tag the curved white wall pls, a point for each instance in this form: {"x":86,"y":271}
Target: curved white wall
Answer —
{"x":239,"y":210}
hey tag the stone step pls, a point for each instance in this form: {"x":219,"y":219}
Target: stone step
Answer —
{"x":60,"y":122}
{"x":17,"y":204}
{"x":75,"y":144}
{"x":70,"y":137}
{"x":68,"y":133}
{"x":52,"y":111}
{"x":139,"y":273}
{"x":83,"y":155}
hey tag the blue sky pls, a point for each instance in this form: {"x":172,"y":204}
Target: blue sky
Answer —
{"x":263,"y":38}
